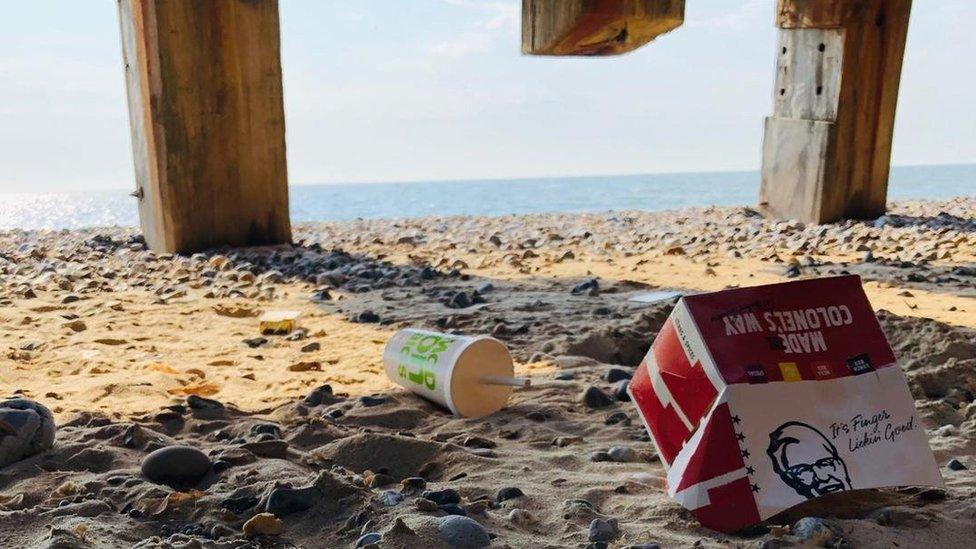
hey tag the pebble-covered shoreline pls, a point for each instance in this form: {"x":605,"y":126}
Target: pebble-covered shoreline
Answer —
{"x":181,"y":426}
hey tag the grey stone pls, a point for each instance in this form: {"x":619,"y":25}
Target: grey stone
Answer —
{"x":320,"y":395}
{"x":285,"y":501}
{"x":391,"y":498}
{"x":614,"y":375}
{"x":622,"y":454}
{"x":617,"y":417}
{"x":370,"y":401}
{"x":620,"y":391}
{"x":603,"y":530}
{"x":956,"y":465}
{"x":590,"y":287}
{"x":509,"y":492}
{"x":463,"y":532}
{"x":453,"y":509}
{"x":178,"y":467}
{"x":816,"y":531}
{"x":593,"y":397}
{"x":367,"y":539}
{"x":195,"y":402}
{"x":26,"y":428}
{"x":443,"y":497}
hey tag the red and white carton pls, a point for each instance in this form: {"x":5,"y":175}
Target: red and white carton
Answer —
{"x":758,"y":399}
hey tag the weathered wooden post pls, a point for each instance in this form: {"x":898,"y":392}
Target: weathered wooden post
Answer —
{"x":595,"y":27}
{"x":827,"y":146}
{"x":207,"y":118}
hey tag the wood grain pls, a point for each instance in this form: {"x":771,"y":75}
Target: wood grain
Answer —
{"x":206,"y":111}
{"x":812,"y":14}
{"x":595,"y":27}
{"x":857,"y":71}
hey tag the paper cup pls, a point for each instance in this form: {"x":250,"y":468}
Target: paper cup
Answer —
{"x":451,"y":370}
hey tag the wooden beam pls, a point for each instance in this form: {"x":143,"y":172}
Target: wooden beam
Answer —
{"x":595,"y":27}
{"x":838,"y":64}
{"x":208,"y":129}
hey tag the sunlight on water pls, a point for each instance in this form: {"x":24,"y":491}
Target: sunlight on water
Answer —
{"x":488,"y":197}
{"x":67,"y":210}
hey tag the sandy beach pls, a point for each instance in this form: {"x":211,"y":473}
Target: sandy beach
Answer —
{"x":134,"y":351}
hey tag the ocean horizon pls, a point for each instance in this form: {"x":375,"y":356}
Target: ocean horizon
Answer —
{"x":478,"y":197}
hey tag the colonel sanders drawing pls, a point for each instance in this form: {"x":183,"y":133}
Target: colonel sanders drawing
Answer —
{"x":806,"y":460}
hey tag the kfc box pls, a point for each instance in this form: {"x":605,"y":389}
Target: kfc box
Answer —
{"x":761,"y":398}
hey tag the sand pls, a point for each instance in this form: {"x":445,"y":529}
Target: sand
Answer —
{"x":113,"y":339}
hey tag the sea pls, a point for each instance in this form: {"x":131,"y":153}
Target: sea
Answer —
{"x":327,"y":202}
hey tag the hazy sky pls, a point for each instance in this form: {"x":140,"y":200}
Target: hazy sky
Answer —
{"x":437,"y":89}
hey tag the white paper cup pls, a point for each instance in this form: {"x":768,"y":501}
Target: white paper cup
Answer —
{"x":451,"y":370}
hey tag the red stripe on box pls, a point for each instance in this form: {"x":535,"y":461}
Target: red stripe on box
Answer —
{"x":732,"y":507}
{"x":717,"y":452}
{"x":667,"y":429}
{"x":688,"y":384}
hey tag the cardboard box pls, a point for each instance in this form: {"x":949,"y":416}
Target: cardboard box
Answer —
{"x":760,"y":398}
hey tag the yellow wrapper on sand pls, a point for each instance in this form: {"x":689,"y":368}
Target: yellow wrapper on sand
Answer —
{"x":278,"y":322}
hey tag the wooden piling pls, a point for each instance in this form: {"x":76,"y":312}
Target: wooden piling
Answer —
{"x":595,"y":27}
{"x":208,"y":129}
{"x":827,"y":147}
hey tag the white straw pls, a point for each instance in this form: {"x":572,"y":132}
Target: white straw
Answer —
{"x":505,"y":380}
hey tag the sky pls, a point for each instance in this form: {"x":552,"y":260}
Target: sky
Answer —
{"x":388,"y":90}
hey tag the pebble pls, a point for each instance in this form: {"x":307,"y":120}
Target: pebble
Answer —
{"x":391,"y":498}
{"x":507,"y":493}
{"x":622,"y":454}
{"x":366,"y":317}
{"x":319,"y":395}
{"x":478,"y":507}
{"x":617,"y":417}
{"x":932,"y":494}
{"x":453,"y":509}
{"x":564,"y":376}
{"x":311,"y":347}
{"x":463,"y":532}
{"x":620,"y":391}
{"x":443,"y":497}
{"x":76,"y":325}
{"x":29,"y":429}
{"x":815,"y":531}
{"x":614,"y":375}
{"x":478,"y":442}
{"x":521,"y":517}
{"x":221,"y":465}
{"x":485,"y":287}
{"x":412,"y":485}
{"x":255,"y":342}
{"x":275,"y":448}
{"x":239,"y":504}
{"x":379,"y":480}
{"x":263,"y":524}
{"x":370,"y":401}
{"x":195,"y":402}
{"x":956,"y":465}
{"x":603,"y":530}
{"x":285,"y":501}
{"x":426,"y":505}
{"x":590,"y":287}
{"x":265,"y":429}
{"x":594,"y":397}
{"x":178,"y":467}
{"x":367,"y":539}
